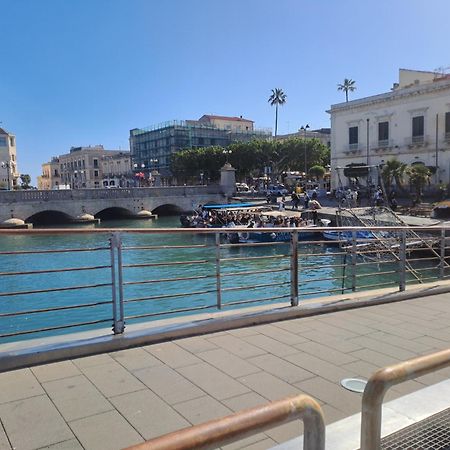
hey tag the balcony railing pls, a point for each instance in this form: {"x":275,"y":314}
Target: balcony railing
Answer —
{"x":417,"y":140}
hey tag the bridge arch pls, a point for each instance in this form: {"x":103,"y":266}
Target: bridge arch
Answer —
{"x":114,"y":212}
{"x":167,"y":209}
{"x":49,"y":217}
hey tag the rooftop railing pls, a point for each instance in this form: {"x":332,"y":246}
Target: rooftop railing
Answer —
{"x":122,"y":277}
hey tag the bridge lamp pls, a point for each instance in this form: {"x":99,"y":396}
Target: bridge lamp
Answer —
{"x":304,"y":129}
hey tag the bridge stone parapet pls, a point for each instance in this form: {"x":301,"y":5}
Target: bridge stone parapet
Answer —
{"x":75,"y":203}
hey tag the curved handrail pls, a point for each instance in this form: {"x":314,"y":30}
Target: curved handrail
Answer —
{"x":236,"y":426}
{"x":381,"y":381}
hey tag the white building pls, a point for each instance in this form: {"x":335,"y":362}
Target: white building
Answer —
{"x":8,"y":160}
{"x":411,"y":123}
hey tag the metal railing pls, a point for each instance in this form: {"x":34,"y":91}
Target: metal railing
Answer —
{"x":146,"y":274}
{"x":381,"y":381}
{"x":234,"y":427}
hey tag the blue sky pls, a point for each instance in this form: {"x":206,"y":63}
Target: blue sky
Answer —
{"x":81,"y":72}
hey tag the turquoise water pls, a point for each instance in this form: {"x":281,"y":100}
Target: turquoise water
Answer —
{"x":314,"y":275}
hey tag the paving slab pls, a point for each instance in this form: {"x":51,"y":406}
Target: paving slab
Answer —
{"x":172,"y":354}
{"x":135,"y":359}
{"x":19,"y":384}
{"x":56,"y":371}
{"x":202,"y":409}
{"x":76,"y":397}
{"x":4,"y":443}
{"x":169,"y":384}
{"x":236,"y":346}
{"x":268,"y":386}
{"x":33,"y":423}
{"x":148,"y":414}
{"x":106,"y":431}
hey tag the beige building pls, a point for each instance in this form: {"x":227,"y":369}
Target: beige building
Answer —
{"x":90,"y":167}
{"x":8,"y":160}
{"x":322,"y":134}
{"x":234,"y":124}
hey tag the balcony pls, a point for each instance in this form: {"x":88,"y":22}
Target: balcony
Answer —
{"x":417,"y":141}
{"x":447,"y":136}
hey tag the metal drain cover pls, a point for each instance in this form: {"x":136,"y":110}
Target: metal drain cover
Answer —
{"x":354,"y":384}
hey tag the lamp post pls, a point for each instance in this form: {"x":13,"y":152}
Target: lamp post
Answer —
{"x":8,"y":167}
{"x":227,"y":153}
{"x":136,"y":167}
{"x":201,"y":177}
{"x":304,"y":129}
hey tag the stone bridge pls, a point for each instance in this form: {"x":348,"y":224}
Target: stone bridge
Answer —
{"x":17,"y":207}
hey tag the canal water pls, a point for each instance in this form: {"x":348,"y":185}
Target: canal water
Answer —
{"x":160,"y":290}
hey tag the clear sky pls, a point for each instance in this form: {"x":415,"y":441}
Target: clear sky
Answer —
{"x":85,"y":72}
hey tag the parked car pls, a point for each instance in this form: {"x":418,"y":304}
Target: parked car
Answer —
{"x":276,"y":189}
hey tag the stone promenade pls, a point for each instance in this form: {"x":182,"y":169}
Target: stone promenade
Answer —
{"x":114,"y":400}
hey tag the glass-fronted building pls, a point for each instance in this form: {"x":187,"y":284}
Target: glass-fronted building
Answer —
{"x":152,"y":147}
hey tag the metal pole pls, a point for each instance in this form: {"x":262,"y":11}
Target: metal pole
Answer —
{"x":117,"y":284}
{"x":354,"y":249}
{"x":367,"y":142}
{"x":402,"y":271}
{"x":442,"y":255}
{"x":437,"y":148}
{"x":218,"y":280}
{"x":294,"y":268}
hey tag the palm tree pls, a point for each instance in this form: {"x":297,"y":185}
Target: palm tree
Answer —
{"x":393,"y":170}
{"x":419,"y":175}
{"x":278,"y":97}
{"x":347,"y":86}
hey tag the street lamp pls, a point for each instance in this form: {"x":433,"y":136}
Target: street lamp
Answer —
{"x":304,"y":129}
{"x":136,"y":167}
{"x":8,"y":167}
{"x":154,"y":162}
{"x":201,"y":177}
{"x":227,"y":153}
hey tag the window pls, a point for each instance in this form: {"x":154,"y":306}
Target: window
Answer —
{"x":353,"y":135}
{"x":447,"y":123}
{"x":2,"y":141}
{"x":12,"y":142}
{"x":383,"y":131}
{"x":417,"y":126}
{"x":95,"y":173}
{"x":95,"y":162}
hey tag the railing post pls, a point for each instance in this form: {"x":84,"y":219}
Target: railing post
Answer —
{"x":218,"y":280}
{"x":442,"y":255}
{"x":354,"y":250}
{"x":402,"y":257}
{"x":117,"y":283}
{"x":294,"y":268}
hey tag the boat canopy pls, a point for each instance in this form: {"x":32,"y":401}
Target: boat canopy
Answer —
{"x":233,"y":206}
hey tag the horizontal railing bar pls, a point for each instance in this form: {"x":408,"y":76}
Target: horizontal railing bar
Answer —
{"x":175,"y":311}
{"x":254,"y":272}
{"x":308,"y":255}
{"x":168,"y":280}
{"x":313,"y":280}
{"x":59,"y":327}
{"x":322,"y":266}
{"x":371,"y":263}
{"x":57,"y":308}
{"x":423,"y":269}
{"x":324,"y":291}
{"x":389,"y":283}
{"x":257,"y":300}
{"x":65,"y":250}
{"x":166,"y":296}
{"x":164,"y":247}
{"x":254,"y":286}
{"x":43,"y":271}
{"x":254,"y":244}
{"x":43,"y":291}
{"x":365,"y":275}
{"x":253,"y":258}
{"x":431,"y":258}
{"x":175,"y":263}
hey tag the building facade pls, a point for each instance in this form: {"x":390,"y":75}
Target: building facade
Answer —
{"x":90,"y":167}
{"x":411,"y":123}
{"x":152,"y":147}
{"x":322,"y":134}
{"x":9,"y":173}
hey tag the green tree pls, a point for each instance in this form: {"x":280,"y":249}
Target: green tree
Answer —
{"x":393,"y":170}
{"x":419,"y":175}
{"x":347,"y":86}
{"x":26,"y":180}
{"x":278,"y":97}
{"x":317,"y":172}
